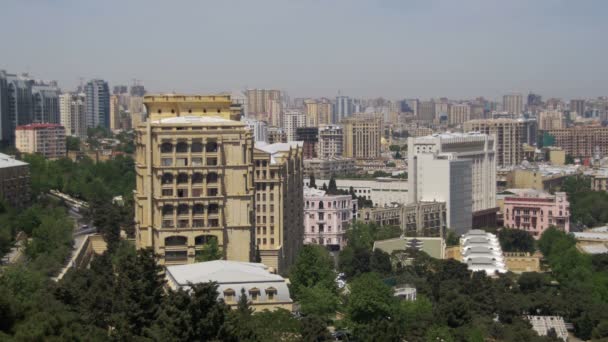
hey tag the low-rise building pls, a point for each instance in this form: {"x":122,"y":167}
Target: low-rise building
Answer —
{"x":481,"y":252}
{"x":592,"y":241}
{"x":327,"y":168}
{"x":424,"y":219}
{"x":535,"y":211}
{"x":382,"y":216}
{"x":599,"y":180}
{"x":381,"y":191}
{"x":327,"y":217}
{"x":14,"y":181}
{"x":264,"y":290}
{"x":540,"y":176}
{"x":44,"y":138}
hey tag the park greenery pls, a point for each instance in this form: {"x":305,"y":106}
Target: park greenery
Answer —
{"x":586,"y":207}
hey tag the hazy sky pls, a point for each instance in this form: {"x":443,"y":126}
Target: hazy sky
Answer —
{"x":390,"y":48}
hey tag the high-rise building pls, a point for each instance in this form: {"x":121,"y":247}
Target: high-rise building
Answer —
{"x":72,"y":108}
{"x":97,"y":103}
{"x":534,"y":103}
{"x":120,"y":89}
{"x":136,"y":110}
{"x":194,"y":179}
{"x":442,"y":110}
{"x":343,"y":108}
{"x":14,"y":181}
{"x":5,"y":122}
{"x":510,"y":135}
{"x":279,"y":203}
{"x":275,"y":112}
{"x":310,"y":137}
{"x":137,"y":90}
{"x":45,"y":101}
{"x":513,"y":104}
{"x":577,"y":106}
{"x":459,"y":113}
{"x":259,"y":129}
{"x":330,"y":141}
{"x":581,"y":141}
{"x":276,"y":135}
{"x":426,"y":110}
{"x":114,"y":112}
{"x":292,"y":120}
{"x":551,"y":119}
{"x":410,"y":106}
{"x":46,"y":139}
{"x":362,"y":136}
{"x":477,"y":148}
{"x":258,"y":101}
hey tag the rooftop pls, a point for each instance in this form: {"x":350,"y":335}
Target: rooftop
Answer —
{"x":194,"y":120}
{"x":35,"y":126}
{"x":222,"y":271}
{"x":8,"y":161}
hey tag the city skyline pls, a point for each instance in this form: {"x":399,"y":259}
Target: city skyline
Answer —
{"x":393,"y":49}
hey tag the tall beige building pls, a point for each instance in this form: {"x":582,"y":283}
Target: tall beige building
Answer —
{"x":114,"y":112}
{"x":43,"y":138}
{"x":72,"y":109}
{"x":330,"y":142}
{"x":551,"y":119}
{"x":362,"y":136}
{"x":513,"y":103}
{"x":318,"y":112}
{"x":510,"y":135}
{"x":259,"y":100}
{"x":459,"y":113}
{"x":279,"y":203}
{"x":195,"y":179}
{"x":136,"y":110}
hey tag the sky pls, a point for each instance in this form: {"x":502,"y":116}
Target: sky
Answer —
{"x":312,"y":48}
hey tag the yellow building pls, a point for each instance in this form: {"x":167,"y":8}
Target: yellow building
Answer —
{"x":279,"y":203}
{"x":194,"y":184}
{"x":362,"y":136}
{"x":318,"y":112}
{"x":114,"y":113}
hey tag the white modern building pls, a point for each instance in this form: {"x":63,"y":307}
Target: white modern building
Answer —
{"x":259,"y":129}
{"x":381,"y":191}
{"x":292,"y":120}
{"x":481,"y":252}
{"x":459,"y":169}
{"x":72,"y":109}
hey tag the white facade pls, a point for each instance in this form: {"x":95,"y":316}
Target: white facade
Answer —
{"x":381,"y":191}
{"x":73,"y":114}
{"x":259,"y":128}
{"x":479,"y":149}
{"x":293,"y":119}
{"x":481,"y":252}
{"x":327,"y":217}
{"x":330,"y":141}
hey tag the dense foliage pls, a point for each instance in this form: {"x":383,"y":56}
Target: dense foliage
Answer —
{"x":516,"y":240}
{"x":586,"y":206}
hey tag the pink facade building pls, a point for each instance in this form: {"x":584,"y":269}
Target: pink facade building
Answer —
{"x":535,"y":211}
{"x":327,"y":217}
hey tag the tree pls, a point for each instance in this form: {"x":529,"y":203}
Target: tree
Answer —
{"x":380,"y":262}
{"x":318,"y":301}
{"x":516,"y":240}
{"x":370,"y":299}
{"x":313,"y":266}
{"x":398,"y":155}
{"x":211,"y":251}
{"x":332,"y":188}
{"x":324,"y":187}
{"x":277,"y":325}
{"x":72,"y":143}
{"x":314,"y":329}
{"x":391,"y":164}
{"x":452,"y":239}
{"x":311,"y":183}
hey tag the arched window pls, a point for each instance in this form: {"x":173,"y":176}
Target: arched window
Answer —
{"x":183,"y":209}
{"x":167,"y":210}
{"x":182,"y":178}
{"x":211,"y":177}
{"x":211,"y":146}
{"x":320,"y":204}
{"x":176,"y":241}
{"x":167,"y":178}
{"x":271,"y":292}
{"x":182,"y":147}
{"x":213,"y":209}
{"x":204,"y":239}
{"x":197,"y":147}
{"x":166,"y":147}
{"x":229,"y":295}
{"x":254,"y":293}
{"x":197,"y":178}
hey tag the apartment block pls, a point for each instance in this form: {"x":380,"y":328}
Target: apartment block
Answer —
{"x":362,"y":136}
{"x":14,"y":181}
{"x":278,"y":203}
{"x":194,"y":179}
{"x":45,"y":139}
{"x":330,"y":141}
{"x":534,"y":211}
{"x":582,"y":141}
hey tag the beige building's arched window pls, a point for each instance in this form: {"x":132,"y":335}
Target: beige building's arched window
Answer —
{"x":211,"y":146}
{"x":211,"y":177}
{"x":166,"y":147}
{"x":167,"y":178}
{"x":176,"y":241}
{"x":271,"y":292}
{"x":182,"y":147}
{"x":182,"y":209}
{"x":182,"y":178}
{"x":254,"y":294}
{"x":196,"y":147}
{"x":197,"y":178}
{"x":229,"y":295}
{"x":167,"y":210}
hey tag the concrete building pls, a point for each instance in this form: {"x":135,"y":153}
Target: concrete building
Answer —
{"x":513,"y":104}
{"x":581,"y":141}
{"x":551,"y":119}
{"x":276,"y":135}
{"x":426,"y":110}
{"x":382,"y":216}
{"x":330,"y":141}
{"x":481,"y":252}
{"x":433,"y":173}
{"x":14,"y":181}
{"x":264,"y":290}
{"x":327,"y":217}
{"x":428,"y":219}
{"x":509,"y":135}
{"x":381,"y":191}
{"x":599,"y":180}
{"x":535,"y":211}
{"x":279,"y":203}
{"x":310,"y":137}
{"x":327,"y":168}
{"x":459,"y":113}
{"x":194,"y":179}
{"x":45,"y":139}
{"x":362,"y":136}
{"x":114,"y":113}
{"x":258,"y":101}
{"x":318,"y":112}
{"x":97,"y":103}
{"x":292,"y":120}
{"x":136,"y":110}
{"x":539,"y":177}
{"x":72,"y":107}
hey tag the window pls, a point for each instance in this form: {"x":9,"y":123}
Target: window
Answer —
{"x":197,"y":178}
{"x":196,"y":147}
{"x":168,"y":224}
{"x":212,"y":209}
{"x":198,"y":209}
{"x":272,"y":197}
{"x":211,"y":192}
{"x":167,"y":210}
{"x":182,"y":209}
{"x":197,"y":161}
{"x":321,"y":216}
{"x":181,"y":193}
{"x":197,"y":192}
{"x":214,"y":223}
{"x":254,"y":293}
{"x":167,"y":178}
{"x":166,"y":161}
{"x":272,"y":208}
{"x":181,"y":147}
{"x":272,"y":241}
{"x":212,"y":178}
{"x":176,"y":255}
{"x":229,"y":295}
{"x":211,"y":161}
{"x":271,"y":292}
{"x":197,"y":223}
{"x":166,"y":147}
{"x":211,"y":146}
{"x":181,"y":161}
{"x":167,"y":192}
{"x":182,"y":178}
{"x":176,"y":241}
{"x":183,"y":223}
